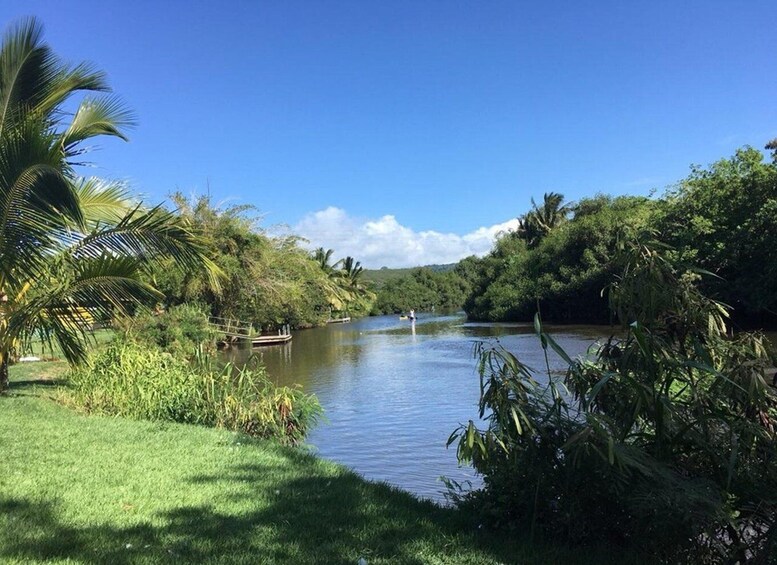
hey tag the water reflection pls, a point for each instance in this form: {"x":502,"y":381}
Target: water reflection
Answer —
{"x":393,"y":390}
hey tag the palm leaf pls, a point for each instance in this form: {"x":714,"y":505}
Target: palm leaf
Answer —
{"x":103,"y":202}
{"x":96,"y":116}
{"x":150,"y":235}
{"x":33,"y":81}
{"x":99,"y":289}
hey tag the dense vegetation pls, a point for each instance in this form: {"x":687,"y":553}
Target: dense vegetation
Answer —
{"x":664,"y":434}
{"x":561,"y":257}
{"x":564,"y":269}
{"x":380,"y":276}
{"x":724,"y":218}
{"x":422,"y":289}
{"x":269,"y":281}
{"x":178,"y":330}
{"x":138,"y":381}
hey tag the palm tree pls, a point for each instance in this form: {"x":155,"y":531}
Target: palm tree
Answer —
{"x":351,"y":273}
{"x":322,"y":257}
{"x":71,"y":251}
{"x":541,"y":220}
{"x":336,"y":296}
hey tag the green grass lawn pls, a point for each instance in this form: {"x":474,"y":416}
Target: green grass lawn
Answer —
{"x":88,"y":489}
{"x":48,"y":351}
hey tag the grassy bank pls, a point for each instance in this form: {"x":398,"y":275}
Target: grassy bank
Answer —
{"x":89,"y":489}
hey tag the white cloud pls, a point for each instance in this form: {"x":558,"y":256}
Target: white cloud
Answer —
{"x":385,"y":242}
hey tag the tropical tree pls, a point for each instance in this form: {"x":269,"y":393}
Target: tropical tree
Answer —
{"x":565,"y":271}
{"x":541,"y":220}
{"x":724,"y":217}
{"x":421,"y":289}
{"x":71,"y":250}
{"x":359,"y":296}
{"x":336,"y":290}
{"x":351,"y":272}
{"x":322,"y":257}
{"x":269,"y":280}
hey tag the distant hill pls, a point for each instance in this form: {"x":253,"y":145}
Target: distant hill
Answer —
{"x":379,"y":276}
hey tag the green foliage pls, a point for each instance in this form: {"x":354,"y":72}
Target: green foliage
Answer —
{"x":142,"y":382}
{"x":269,"y":281}
{"x":72,"y":251}
{"x":724,"y":218}
{"x":179,"y":330}
{"x":541,"y":220}
{"x":564,"y":271}
{"x":379,"y":276}
{"x":422,"y":289}
{"x":348,"y":291}
{"x":666,"y":433}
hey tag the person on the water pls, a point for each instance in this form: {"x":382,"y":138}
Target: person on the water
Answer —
{"x":412,"y":315}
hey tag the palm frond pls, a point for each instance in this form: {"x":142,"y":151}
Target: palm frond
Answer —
{"x":96,"y":116}
{"x":151,"y":235}
{"x":99,"y":288}
{"x":103,"y":202}
{"x":33,"y":81}
{"x":36,"y":200}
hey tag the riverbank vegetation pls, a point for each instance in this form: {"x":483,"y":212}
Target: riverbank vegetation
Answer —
{"x":423,"y":289}
{"x":721,"y":218}
{"x":666,"y":433}
{"x":270,"y":281}
{"x":135,"y":381}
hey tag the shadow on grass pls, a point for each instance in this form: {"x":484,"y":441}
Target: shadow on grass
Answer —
{"x":334,"y":519}
{"x":23,"y":384}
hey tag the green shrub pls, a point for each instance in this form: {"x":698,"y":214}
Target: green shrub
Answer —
{"x":664,"y":434}
{"x":179,"y":330}
{"x":142,"y":382}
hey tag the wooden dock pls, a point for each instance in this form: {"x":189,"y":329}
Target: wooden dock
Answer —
{"x":238,"y":330}
{"x":270,"y":339}
{"x":339,"y":320}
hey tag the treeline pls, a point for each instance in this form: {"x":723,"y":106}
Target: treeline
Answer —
{"x":423,"y":289}
{"x":267,"y":280}
{"x":562,"y":256}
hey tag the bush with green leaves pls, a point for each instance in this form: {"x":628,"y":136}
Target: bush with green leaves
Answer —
{"x":179,"y":330}
{"x":143,"y":382}
{"x":665,"y":433}
{"x":564,"y":269}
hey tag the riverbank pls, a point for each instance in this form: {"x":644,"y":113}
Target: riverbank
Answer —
{"x":91,"y":489}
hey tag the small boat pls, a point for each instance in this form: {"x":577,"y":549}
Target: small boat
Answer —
{"x":411,"y":318}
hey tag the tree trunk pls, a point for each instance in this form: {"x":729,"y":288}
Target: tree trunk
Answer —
{"x":3,"y":373}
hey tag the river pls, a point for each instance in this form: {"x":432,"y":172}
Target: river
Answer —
{"x":393,"y":390}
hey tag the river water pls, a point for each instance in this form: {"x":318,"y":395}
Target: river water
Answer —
{"x":393,"y":390}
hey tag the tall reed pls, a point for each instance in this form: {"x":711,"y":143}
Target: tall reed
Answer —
{"x":127,"y":379}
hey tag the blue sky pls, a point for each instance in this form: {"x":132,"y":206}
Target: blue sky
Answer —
{"x":404,"y":132}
